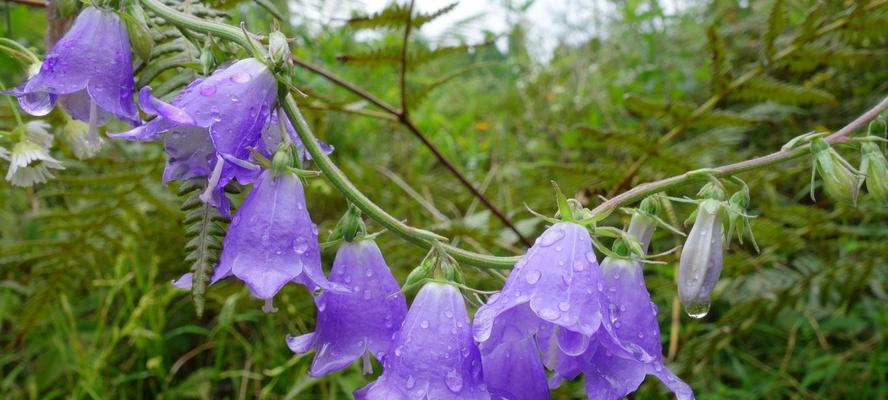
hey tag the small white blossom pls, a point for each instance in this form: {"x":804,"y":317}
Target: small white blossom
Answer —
{"x":85,"y":142}
{"x":30,"y":161}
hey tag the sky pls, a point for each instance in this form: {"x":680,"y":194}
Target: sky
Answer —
{"x":548,"y":22}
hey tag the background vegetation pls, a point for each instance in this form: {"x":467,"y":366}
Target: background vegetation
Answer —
{"x":86,"y":309}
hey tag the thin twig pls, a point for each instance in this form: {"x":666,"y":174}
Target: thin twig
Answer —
{"x":403,"y":70}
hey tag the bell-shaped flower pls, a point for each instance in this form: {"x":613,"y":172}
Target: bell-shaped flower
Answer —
{"x":272,"y":240}
{"x":209,"y":128}
{"x":557,"y":280}
{"x":89,"y":71}
{"x":554,"y":294}
{"x":30,"y":161}
{"x":621,"y":355}
{"x":358,"y":323}
{"x":840,"y":181}
{"x":433,"y":355}
{"x":701,"y":258}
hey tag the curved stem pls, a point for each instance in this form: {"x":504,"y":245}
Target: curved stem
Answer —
{"x":425,"y":238}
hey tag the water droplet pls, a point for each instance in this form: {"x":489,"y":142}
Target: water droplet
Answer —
{"x":590,"y":257}
{"x":532,"y":276}
{"x":369,"y":273}
{"x":448,"y":314}
{"x":240,"y":77}
{"x":300,"y":245}
{"x":411,"y":382}
{"x":454,"y":380}
{"x":698,"y":309}
{"x":550,"y":237}
{"x":549,"y":314}
{"x":424,"y":324}
{"x":558,"y":248}
{"x":367,"y":295}
{"x":578,"y":265}
{"x":208,"y":90}
{"x":617,"y":324}
{"x":564,"y":306}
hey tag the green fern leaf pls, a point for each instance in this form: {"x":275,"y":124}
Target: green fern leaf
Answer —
{"x":721,"y":68}
{"x":765,"y":88}
{"x":776,"y":24}
{"x":205,"y":233}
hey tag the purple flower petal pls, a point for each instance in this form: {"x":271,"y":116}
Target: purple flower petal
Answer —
{"x":513,"y":370}
{"x":433,"y":355}
{"x":271,"y":239}
{"x":361,"y":321}
{"x":155,"y":106}
{"x":271,"y":138}
{"x":557,"y":278}
{"x":93,"y":62}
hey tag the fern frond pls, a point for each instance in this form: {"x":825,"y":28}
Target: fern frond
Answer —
{"x":721,"y":68}
{"x":776,"y":24}
{"x":765,"y":88}
{"x":375,"y":56}
{"x":392,"y":17}
{"x":421,"y":19}
{"x":205,"y":231}
{"x":681,"y":112}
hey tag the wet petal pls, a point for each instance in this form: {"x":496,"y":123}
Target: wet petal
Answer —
{"x":433,"y":355}
{"x":155,"y":106}
{"x":513,"y":370}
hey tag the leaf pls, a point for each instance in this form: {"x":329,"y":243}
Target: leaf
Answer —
{"x":205,"y":240}
{"x":765,"y":88}
{"x":721,"y":68}
{"x":776,"y":24}
{"x":682,"y":112}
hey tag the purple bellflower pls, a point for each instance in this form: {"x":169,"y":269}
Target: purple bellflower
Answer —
{"x":209,"y":128}
{"x":359,"y":323}
{"x":88,"y":71}
{"x":271,"y":241}
{"x":609,"y":372}
{"x":271,"y":137}
{"x":554,"y":294}
{"x":433,"y":355}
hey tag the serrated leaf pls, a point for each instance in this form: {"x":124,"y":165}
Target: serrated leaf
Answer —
{"x":765,"y":88}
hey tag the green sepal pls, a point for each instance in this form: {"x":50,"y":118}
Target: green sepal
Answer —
{"x":565,"y":212}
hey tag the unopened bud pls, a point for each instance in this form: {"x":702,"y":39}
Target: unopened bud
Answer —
{"x":711,"y":190}
{"x":874,"y":165}
{"x":839,"y":181}
{"x":283,"y":159}
{"x":139,"y":35}
{"x":278,"y":48}
{"x":701,"y":259}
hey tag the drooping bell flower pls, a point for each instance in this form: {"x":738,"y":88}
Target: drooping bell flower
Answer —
{"x":272,"y":240}
{"x":554,"y":294}
{"x":701,"y":258}
{"x":433,"y":355}
{"x":209,"y":128}
{"x":358,"y":323}
{"x":613,"y":375}
{"x":30,"y":161}
{"x":88,"y":71}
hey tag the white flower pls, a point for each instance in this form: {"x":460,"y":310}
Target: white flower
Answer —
{"x":30,"y":162}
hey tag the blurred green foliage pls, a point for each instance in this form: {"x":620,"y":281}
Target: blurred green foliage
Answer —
{"x":86,"y":309}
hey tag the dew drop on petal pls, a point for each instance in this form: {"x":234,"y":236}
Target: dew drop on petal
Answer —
{"x":424,"y":324}
{"x":549,"y":314}
{"x":590,"y":257}
{"x":240,"y":77}
{"x":532,"y":276}
{"x":697,"y":309}
{"x":578,"y":265}
{"x":564,"y":306}
{"x":550,"y":237}
{"x":208,"y":90}
{"x":454,"y":381}
{"x":411,"y":382}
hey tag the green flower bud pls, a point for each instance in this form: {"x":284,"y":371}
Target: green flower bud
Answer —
{"x":278,"y":48}
{"x":349,"y":225}
{"x":283,"y":159}
{"x":874,"y":165}
{"x":712,"y":190}
{"x":839,"y":180}
{"x":420,"y":273}
{"x":139,"y":35}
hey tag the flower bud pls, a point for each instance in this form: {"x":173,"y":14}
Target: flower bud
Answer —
{"x":349,"y":225}
{"x":283,"y":159}
{"x":701,"y":259}
{"x":874,"y":165}
{"x":642,"y":227}
{"x":278,"y":48}
{"x":839,"y":181}
{"x":139,"y":35}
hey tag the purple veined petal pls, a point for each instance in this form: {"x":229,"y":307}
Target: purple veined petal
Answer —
{"x":513,"y":370}
{"x":558,"y":278}
{"x":78,"y":104}
{"x":34,"y":103}
{"x":433,"y":355}
{"x":302,"y":343}
{"x":364,"y":320}
{"x":678,"y":387}
{"x":155,"y":106}
{"x":190,"y":153}
{"x":184,"y":282}
{"x":147,"y":132}
{"x":271,"y":239}
{"x":701,"y":260}
{"x":93,"y":56}
{"x":610,"y":377}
